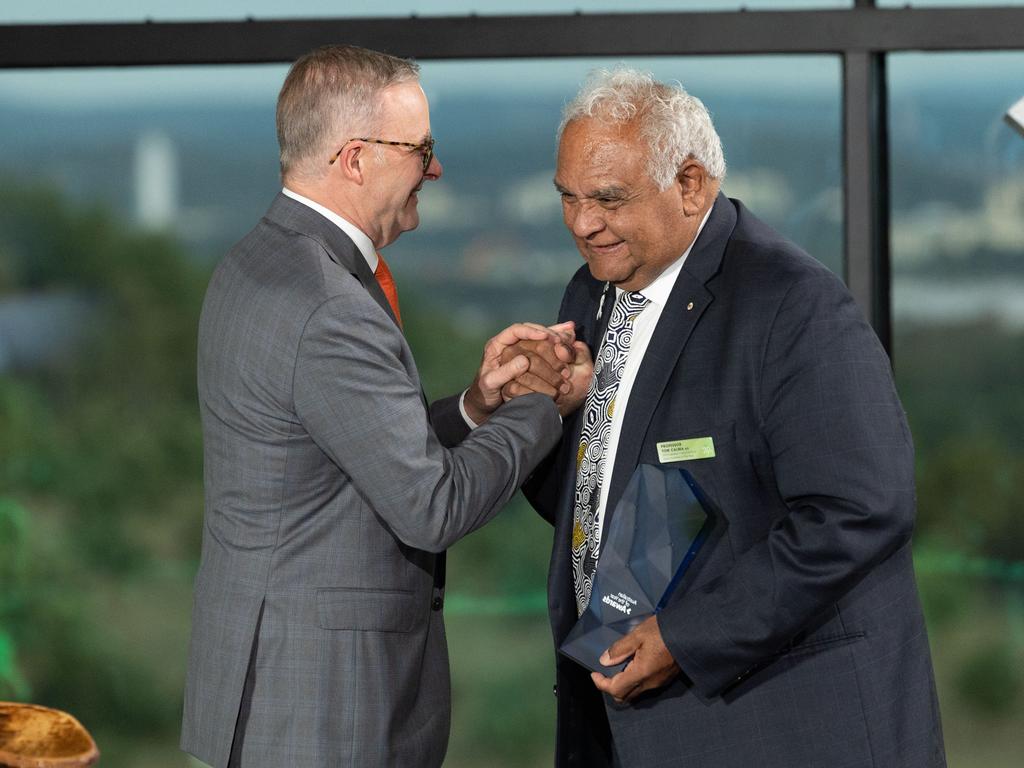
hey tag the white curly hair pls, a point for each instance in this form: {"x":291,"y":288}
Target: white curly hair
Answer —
{"x":675,"y":124}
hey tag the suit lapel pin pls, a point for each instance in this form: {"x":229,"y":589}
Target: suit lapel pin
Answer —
{"x":689,"y":306}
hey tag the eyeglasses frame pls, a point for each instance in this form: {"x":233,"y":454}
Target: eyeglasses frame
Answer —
{"x":426,"y":148}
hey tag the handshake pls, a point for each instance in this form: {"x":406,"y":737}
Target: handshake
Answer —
{"x":526,"y":358}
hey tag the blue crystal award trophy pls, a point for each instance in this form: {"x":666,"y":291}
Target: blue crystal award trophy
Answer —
{"x":658,"y":527}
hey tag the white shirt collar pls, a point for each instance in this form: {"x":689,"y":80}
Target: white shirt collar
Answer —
{"x":363,"y":243}
{"x":658,"y":291}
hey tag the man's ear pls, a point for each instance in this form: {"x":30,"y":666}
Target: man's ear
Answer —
{"x":695,"y":186}
{"x":352,"y":162}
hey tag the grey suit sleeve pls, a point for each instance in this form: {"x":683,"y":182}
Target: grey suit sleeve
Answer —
{"x":842,"y":459}
{"x":359,"y":403}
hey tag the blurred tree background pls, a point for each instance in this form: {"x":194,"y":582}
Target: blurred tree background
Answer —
{"x":101,"y":508}
{"x":101,"y":502}
{"x":100,"y":473}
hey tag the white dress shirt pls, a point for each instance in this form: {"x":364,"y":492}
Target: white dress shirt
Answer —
{"x":657,"y":294}
{"x":356,"y":235}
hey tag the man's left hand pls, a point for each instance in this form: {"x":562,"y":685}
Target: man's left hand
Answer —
{"x":652,"y":665}
{"x":484,"y":394}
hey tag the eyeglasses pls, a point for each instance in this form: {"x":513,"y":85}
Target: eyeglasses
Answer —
{"x":426,"y":149}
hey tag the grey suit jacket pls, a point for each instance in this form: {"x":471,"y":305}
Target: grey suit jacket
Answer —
{"x":798,"y":627}
{"x":329,"y":487}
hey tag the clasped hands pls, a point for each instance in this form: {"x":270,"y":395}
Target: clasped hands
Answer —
{"x":526,"y":358}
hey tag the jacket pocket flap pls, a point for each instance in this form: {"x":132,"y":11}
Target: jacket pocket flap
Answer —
{"x":367,"y":610}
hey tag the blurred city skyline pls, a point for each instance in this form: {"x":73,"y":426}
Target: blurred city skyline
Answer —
{"x":104,"y":87}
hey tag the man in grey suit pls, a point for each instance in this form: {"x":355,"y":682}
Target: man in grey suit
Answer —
{"x":796,"y":638}
{"x":332,"y":490}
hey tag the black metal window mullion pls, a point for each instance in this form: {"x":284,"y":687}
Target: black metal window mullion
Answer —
{"x":866,"y":188}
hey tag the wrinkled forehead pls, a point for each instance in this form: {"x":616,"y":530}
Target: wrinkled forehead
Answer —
{"x":593,"y":147}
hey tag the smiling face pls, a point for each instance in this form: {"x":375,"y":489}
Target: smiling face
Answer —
{"x":625,"y":227}
{"x":394,"y":173}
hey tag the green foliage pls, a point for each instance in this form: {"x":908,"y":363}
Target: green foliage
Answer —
{"x":990,"y":680}
{"x":13,"y":522}
{"x":960,"y":381}
{"x":12,"y":683}
{"x":12,"y":587}
{"x":969,"y":491}
{"x":79,"y":667}
{"x":26,"y":449}
{"x":961,"y":388}
{"x":960,"y":385}
{"x":102,"y":451}
{"x":508,"y":556}
{"x":944,"y":598}
{"x":447,"y":354}
{"x":114,"y":431}
{"x":502,"y":673}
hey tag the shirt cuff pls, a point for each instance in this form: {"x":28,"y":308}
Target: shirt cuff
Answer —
{"x":462,"y":409}
{"x":472,"y":424}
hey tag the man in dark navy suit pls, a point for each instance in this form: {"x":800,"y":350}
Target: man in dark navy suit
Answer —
{"x":796,"y":638}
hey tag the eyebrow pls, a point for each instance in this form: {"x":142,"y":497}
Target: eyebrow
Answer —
{"x":614,"y":192}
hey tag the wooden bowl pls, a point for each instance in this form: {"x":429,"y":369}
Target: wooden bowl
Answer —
{"x":39,"y":737}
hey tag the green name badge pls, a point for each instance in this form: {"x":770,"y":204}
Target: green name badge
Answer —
{"x":686,"y":450}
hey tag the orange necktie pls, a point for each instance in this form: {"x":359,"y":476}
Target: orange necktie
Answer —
{"x":387,"y":284}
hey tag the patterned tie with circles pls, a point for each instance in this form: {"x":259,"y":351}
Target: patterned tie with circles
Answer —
{"x":591,"y":471}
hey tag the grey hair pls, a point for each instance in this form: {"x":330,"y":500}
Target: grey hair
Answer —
{"x":332,"y":94}
{"x":675,"y":125}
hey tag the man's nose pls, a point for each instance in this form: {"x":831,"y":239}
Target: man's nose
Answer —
{"x":434,"y":169}
{"x":586,"y":220}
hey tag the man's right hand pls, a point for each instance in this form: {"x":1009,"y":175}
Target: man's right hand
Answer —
{"x":502,"y":362}
{"x":572,"y":360}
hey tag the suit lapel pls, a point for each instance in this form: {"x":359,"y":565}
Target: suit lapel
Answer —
{"x":292,"y":214}
{"x":687,"y":302}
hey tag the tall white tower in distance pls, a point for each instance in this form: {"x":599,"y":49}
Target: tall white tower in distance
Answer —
{"x":156,"y":181}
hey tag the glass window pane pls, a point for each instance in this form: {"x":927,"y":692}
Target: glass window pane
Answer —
{"x":118,"y":192}
{"x":958,"y":300}
{"x":192,"y":10}
{"x":780,"y":134}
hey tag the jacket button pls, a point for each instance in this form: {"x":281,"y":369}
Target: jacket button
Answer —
{"x":554,"y":691}
{"x":437,"y":604}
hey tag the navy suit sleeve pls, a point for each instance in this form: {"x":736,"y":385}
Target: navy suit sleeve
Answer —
{"x":446,"y":419}
{"x":542,"y":487}
{"x":842,"y":459}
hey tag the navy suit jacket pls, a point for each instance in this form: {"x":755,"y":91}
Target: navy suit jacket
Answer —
{"x":798,"y":628}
